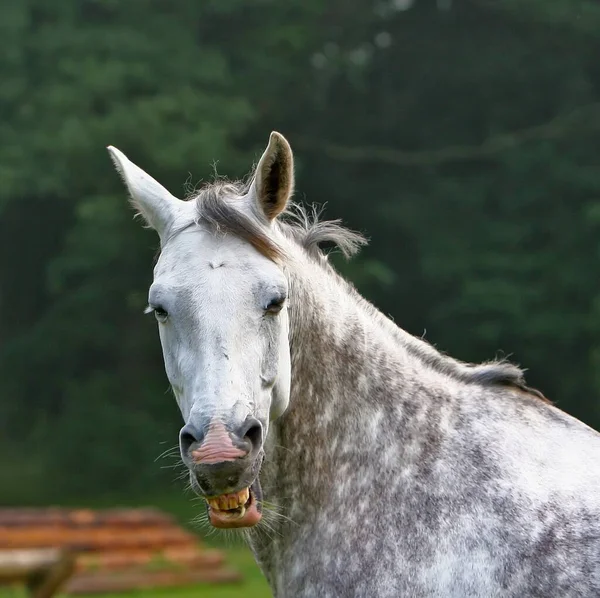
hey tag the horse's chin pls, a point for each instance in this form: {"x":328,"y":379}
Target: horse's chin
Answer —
{"x":239,"y":509}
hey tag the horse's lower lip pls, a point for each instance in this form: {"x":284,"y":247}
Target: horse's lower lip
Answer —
{"x":246,"y":516}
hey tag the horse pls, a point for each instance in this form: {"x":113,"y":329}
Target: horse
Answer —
{"x":356,"y":459}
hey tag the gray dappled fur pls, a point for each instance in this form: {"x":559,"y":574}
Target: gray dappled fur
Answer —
{"x":397,"y":471}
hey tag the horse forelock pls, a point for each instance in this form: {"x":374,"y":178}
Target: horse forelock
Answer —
{"x":220,"y":205}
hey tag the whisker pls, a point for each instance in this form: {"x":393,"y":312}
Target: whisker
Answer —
{"x":271,"y":505}
{"x":182,"y":475}
{"x":266,"y":525}
{"x":168,"y":452}
{"x":178,"y":465}
{"x":283,"y":517}
{"x":275,"y":512}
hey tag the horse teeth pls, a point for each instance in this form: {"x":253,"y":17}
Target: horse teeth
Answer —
{"x":227,"y":502}
{"x":236,"y":514}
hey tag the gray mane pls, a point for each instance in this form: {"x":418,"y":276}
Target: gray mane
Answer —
{"x":491,"y":373}
{"x":216,"y":206}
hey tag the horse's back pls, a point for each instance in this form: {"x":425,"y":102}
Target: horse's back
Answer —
{"x":508,"y":505}
{"x":529,"y":476}
{"x":535,"y":447}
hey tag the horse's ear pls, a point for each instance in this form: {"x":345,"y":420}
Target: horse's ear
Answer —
{"x":274,"y":180}
{"x":156,"y":205}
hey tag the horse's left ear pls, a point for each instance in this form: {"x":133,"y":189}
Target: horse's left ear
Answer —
{"x":274,"y":180}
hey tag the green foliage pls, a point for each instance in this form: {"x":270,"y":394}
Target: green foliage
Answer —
{"x":460,"y":137}
{"x":581,"y":16}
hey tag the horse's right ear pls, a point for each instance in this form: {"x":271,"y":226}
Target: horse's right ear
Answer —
{"x":156,"y":205}
{"x":274,"y":180}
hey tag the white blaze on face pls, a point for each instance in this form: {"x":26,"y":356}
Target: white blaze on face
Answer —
{"x":224,"y":353}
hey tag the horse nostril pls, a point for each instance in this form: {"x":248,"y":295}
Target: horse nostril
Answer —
{"x":188,"y":436}
{"x":252,"y":432}
{"x":254,"y":435}
{"x":187,"y":440}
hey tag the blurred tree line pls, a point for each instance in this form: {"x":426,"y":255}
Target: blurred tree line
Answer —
{"x":460,"y":135}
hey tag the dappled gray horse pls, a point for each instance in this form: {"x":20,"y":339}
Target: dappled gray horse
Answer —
{"x":359,"y":460}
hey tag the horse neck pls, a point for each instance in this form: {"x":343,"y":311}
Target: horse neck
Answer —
{"x":347,"y":376}
{"x":334,"y":340}
{"x":356,"y":406}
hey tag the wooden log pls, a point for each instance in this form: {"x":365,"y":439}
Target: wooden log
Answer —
{"x":83,"y":517}
{"x":94,"y":583}
{"x":94,"y":539}
{"x":180,"y":557}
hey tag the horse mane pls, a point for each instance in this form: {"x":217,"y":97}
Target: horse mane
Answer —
{"x":216,"y":205}
{"x":491,"y":373}
{"x":219,"y":205}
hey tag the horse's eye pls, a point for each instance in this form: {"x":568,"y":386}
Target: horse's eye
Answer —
{"x":160,"y":314}
{"x":275,"y":305}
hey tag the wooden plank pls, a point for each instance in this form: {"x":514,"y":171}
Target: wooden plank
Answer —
{"x":102,"y":583}
{"x":93,"y":539}
{"x":188,"y":557}
{"x":83,"y":517}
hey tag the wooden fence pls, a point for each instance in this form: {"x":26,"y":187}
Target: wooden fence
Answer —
{"x":115,"y":550}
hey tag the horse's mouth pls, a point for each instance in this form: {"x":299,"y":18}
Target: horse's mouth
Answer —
{"x":240,"y":509}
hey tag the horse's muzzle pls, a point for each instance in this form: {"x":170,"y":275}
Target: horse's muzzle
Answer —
{"x":233,"y":495}
{"x":224,"y":469}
